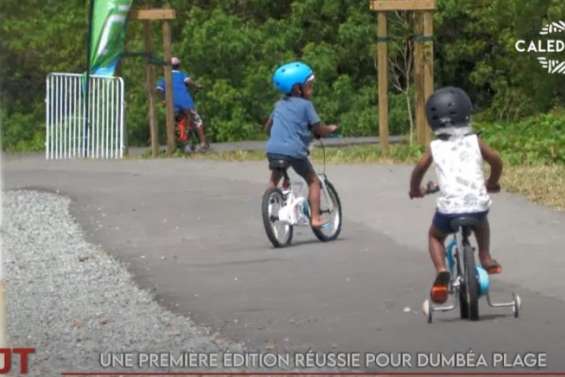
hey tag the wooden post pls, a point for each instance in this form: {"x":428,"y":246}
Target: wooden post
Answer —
{"x":423,"y":58}
{"x":147,"y":15}
{"x":428,"y":69}
{"x":150,"y":88}
{"x":171,"y":144}
{"x":419,"y":79}
{"x":382,"y":52}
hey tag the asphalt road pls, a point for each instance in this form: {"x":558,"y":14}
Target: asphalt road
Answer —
{"x":191,"y":232}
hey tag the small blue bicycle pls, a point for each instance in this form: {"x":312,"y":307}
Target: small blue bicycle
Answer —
{"x":469,"y":281}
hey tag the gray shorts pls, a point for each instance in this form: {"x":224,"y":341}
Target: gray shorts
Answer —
{"x":196,"y":120}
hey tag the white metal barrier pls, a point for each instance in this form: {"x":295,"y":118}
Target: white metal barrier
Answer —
{"x":69,"y":134}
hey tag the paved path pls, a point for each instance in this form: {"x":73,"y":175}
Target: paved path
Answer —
{"x":191,"y":232}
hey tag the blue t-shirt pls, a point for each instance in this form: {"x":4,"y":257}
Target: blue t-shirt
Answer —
{"x":182,"y":100}
{"x":291,"y":133}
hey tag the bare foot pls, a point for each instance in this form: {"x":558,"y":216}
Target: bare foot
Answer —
{"x":491,"y":265}
{"x":318,"y":223}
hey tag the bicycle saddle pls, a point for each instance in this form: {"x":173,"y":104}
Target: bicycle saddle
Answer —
{"x":278,"y":164}
{"x":462,"y":221}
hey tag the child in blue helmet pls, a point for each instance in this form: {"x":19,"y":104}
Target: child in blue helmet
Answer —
{"x":291,"y":125}
{"x":182,"y":100}
{"x":458,"y":154}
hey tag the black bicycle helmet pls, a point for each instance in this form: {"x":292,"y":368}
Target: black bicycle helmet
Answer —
{"x":448,"y":107}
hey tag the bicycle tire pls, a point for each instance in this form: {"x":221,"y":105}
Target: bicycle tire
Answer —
{"x":337,"y":205}
{"x":268,"y":224}
{"x":472,"y":285}
{"x":463,"y":302}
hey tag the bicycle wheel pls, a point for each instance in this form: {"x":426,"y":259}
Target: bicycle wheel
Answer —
{"x":463,"y":302}
{"x":472,"y":285}
{"x":279,"y":233}
{"x":331,"y":230}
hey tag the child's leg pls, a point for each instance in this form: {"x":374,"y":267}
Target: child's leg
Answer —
{"x":436,"y":239}
{"x":201,"y":135}
{"x":199,"y":125}
{"x":305,"y":169}
{"x":314,"y":189}
{"x":482,"y":234}
{"x":276,"y":176}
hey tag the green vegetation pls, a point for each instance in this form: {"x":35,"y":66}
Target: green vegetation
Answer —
{"x":536,"y":140}
{"x":233,"y":46}
{"x":337,"y":155}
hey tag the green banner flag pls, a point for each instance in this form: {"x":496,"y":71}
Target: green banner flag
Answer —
{"x":108,"y":23}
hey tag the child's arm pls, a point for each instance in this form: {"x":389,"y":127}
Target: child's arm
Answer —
{"x":191,"y":83}
{"x":493,"y":158}
{"x":268,"y":125}
{"x":323,"y":130}
{"x":160,"y":93}
{"x":418,"y":174}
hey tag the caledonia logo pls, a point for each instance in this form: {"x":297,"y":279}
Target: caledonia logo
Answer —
{"x":547,"y":45}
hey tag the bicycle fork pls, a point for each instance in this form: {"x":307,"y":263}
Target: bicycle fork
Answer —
{"x":326,"y":196}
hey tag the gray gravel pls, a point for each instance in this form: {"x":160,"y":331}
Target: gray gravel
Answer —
{"x":71,"y":300}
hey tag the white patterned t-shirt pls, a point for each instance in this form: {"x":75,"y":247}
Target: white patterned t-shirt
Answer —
{"x":459,"y":168}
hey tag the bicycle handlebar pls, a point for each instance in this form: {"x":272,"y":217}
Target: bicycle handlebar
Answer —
{"x":432,"y":187}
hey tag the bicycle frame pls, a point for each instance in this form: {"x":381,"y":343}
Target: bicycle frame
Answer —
{"x":289,"y":198}
{"x":185,"y":128}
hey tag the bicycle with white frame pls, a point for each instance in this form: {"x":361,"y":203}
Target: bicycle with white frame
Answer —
{"x":283,"y":208}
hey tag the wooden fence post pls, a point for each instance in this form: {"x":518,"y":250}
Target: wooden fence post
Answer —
{"x":150,"y":83}
{"x":382,"y":52}
{"x":171,"y":143}
{"x":428,"y":69}
{"x":423,"y":61}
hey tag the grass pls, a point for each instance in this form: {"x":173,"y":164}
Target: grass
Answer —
{"x":337,"y":155}
{"x":540,"y":183}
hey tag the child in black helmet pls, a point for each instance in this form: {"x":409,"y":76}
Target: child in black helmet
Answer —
{"x":458,"y":155}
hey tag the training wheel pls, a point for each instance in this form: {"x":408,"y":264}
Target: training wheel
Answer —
{"x":517,"y":305}
{"x":426,"y":308}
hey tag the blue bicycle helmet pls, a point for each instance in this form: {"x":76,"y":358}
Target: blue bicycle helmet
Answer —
{"x":290,"y":74}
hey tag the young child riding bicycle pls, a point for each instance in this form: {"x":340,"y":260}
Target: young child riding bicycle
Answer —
{"x":458,"y":155}
{"x":183,"y":102}
{"x":291,"y":125}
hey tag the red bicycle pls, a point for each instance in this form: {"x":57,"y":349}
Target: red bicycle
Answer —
{"x":188,"y":138}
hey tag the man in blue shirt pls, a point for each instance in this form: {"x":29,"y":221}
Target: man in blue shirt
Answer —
{"x":291,"y":126}
{"x":183,"y":102}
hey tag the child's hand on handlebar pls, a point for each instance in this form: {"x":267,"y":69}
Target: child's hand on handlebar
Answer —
{"x":492,"y":187}
{"x":416,"y":193}
{"x":430,"y":188}
{"x":332,"y":128}
{"x":323,"y":130}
